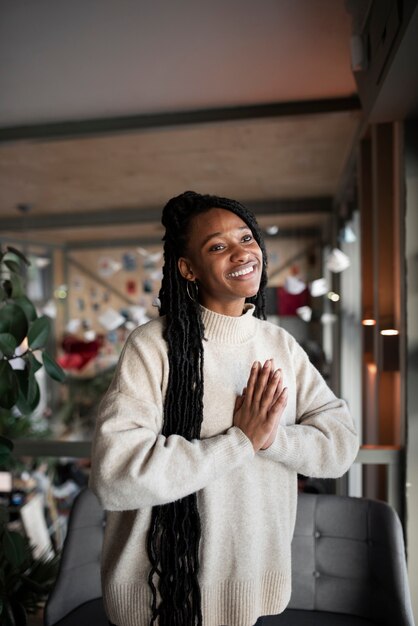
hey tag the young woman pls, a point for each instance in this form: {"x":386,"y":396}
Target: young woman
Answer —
{"x":211,"y":414}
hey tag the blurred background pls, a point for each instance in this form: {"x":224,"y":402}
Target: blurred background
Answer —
{"x":306,"y":111}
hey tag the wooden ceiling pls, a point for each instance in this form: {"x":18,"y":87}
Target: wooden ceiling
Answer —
{"x":258,"y":160}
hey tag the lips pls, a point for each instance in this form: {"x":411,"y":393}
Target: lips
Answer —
{"x":245,"y":270}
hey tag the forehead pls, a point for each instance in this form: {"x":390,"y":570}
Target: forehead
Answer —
{"x":216,"y":220}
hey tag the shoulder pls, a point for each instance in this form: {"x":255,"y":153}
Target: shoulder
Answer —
{"x":151,"y":331}
{"x":143,"y":358}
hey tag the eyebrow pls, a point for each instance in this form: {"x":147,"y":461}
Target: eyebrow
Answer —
{"x":212,"y":235}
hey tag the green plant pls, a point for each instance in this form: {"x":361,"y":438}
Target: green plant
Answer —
{"x":24,"y":580}
{"x":22,"y":333}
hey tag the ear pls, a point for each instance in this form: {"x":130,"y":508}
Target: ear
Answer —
{"x":185,"y":270}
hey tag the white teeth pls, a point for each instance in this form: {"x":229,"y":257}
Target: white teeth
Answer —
{"x":242,"y":272}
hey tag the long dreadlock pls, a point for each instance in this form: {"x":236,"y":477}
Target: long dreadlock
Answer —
{"x":174,"y":534}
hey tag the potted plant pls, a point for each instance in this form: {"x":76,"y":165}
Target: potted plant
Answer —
{"x":24,"y":580}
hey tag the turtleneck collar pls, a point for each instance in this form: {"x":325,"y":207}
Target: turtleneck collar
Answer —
{"x":229,"y":330}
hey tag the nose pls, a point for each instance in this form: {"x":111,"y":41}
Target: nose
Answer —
{"x":239,"y":254}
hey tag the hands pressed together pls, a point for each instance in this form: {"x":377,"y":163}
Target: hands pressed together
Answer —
{"x":258,"y":409}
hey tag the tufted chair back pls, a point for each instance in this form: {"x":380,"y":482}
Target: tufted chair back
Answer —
{"x":348,"y":565}
{"x":76,"y":599}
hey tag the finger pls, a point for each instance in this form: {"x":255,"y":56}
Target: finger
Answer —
{"x":272,"y":390}
{"x":272,"y":370}
{"x":280,"y":404}
{"x":252,"y":381}
{"x":262,"y":380}
{"x":279,"y":387}
{"x":238,"y":403}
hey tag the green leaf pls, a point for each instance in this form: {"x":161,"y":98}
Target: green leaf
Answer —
{"x":39,"y":332}
{"x":22,"y":403}
{"x":15,"y":548}
{"x":19,"y":254}
{"x":27,"y":307}
{"x":52,"y":368}
{"x":8,"y":386}
{"x":35,"y":397}
{"x":17,"y":286}
{"x":13,"y":321}
{"x":8,"y":344}
{"x":13,"y":266}
{"x":34,"y":363}
{"x":29,"y":394}
{"x":34,"y":394}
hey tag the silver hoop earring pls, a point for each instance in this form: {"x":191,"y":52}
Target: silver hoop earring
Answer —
{"x":195,"y":290}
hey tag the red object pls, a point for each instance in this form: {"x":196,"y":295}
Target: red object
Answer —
{"x":287,"y":303}
{"x":78,"y":352}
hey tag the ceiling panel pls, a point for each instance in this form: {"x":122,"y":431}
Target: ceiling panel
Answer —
{"x":249,"y":160}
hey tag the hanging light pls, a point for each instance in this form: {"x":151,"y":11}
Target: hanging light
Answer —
{"x":294,"y":285}
{"x":368,"y":322}
{"x":318,"y":287}
{"x":348,"y":235}
{"x":272,"y":230}
{"x":337,"y":261}
{"x":305,"y":313}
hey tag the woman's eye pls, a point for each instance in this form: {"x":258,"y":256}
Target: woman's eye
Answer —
{"x":217,"y":246}
{"x":247,"y":238}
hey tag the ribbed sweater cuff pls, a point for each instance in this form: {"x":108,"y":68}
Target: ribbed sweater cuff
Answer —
{"x":233,"y":450}
{"x":280,"y":450}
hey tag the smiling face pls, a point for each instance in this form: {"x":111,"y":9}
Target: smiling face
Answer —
{"x":225,"y":260}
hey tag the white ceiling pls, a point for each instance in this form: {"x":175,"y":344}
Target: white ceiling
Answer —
{"x":101,"y":58}
{"x":105,"y":59}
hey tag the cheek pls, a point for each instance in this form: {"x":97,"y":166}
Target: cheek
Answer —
{"x":213,"y":271}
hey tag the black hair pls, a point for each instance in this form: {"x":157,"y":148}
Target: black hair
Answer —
{"x":174,"y":534}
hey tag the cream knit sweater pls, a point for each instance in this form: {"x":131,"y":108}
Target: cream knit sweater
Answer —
{"x":247,"y":501}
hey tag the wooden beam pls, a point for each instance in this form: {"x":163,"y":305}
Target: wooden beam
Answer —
{"x":101,"y":126}
{"x":119,"y":216}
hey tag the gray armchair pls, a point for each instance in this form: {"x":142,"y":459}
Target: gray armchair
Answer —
{"x":348,"y":567}
{"x":76,"y":599}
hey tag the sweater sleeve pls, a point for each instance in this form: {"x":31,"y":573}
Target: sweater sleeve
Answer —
{"x":133,"y":464}
{"x":322,"y":442}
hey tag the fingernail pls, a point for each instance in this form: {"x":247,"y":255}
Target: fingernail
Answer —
{"x":255,"y":365}
{"x":277,"y":373}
